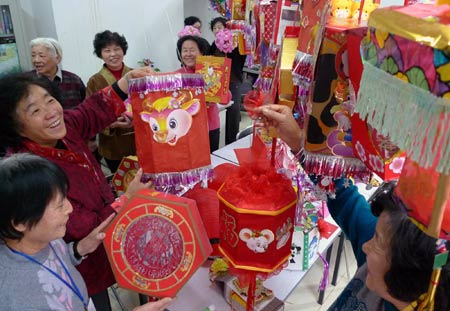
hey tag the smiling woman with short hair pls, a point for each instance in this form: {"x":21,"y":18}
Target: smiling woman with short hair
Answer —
{"x":32,"y":120}
{"x":46,"y":57}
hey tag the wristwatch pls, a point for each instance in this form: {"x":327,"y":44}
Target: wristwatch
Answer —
{"x":75,"y":251}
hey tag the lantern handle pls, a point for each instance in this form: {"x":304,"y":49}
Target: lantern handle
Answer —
{"x":437,"y":215}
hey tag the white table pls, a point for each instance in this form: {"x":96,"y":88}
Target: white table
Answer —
{"x":199,"y":292}
{"x":216,"y":160}
{"x":227,"y":152}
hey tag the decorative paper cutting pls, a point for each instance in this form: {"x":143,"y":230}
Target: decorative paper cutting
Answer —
{"x":156,"y":243}
{"x":216,"y":72}
{"x":125,"y":174}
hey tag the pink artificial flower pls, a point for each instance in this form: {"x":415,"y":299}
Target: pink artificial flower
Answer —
{"x":189,"y":31}
{"x":224,"y":41}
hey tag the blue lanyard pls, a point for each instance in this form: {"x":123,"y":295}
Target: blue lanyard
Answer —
{"x":73,"y":286}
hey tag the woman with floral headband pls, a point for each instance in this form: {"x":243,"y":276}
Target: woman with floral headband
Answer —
{"x":189,"y":46}
{"x":395,"y":258}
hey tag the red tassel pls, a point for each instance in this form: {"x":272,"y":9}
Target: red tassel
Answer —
{"x":251,"y":294}
{"x":252,"y":100}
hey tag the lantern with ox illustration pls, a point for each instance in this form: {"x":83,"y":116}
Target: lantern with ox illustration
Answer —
{"x":170,"y":121}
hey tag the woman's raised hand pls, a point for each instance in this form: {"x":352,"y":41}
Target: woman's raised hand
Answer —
{"x":135,"y":185}
{"x":134,"y":74}
{"x":280,"y":117}
{"x":90,"y":243}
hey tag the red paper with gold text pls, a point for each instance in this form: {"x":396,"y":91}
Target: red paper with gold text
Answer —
{"x":216,"y":72}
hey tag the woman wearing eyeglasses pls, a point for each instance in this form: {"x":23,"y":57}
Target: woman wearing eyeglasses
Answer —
{"x":395,"y":258}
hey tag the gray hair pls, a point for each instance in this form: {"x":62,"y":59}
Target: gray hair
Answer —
{"x":50,"y":43}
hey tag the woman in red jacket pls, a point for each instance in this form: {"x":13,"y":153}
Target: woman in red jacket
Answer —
{"x":188,"y":48}
{"x":32,"y":120}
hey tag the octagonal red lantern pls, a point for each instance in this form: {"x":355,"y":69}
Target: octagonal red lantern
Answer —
{"x":156,"y":243}
{"x":257,"y":210}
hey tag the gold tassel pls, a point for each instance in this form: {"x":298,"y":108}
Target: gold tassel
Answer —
{"x":428,"y":303}
{"x":414,"y":304}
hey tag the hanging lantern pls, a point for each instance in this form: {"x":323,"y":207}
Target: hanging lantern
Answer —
{"x":257,"y":210}
{"x":171,"y":130}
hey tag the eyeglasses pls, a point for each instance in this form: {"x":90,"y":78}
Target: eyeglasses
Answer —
{"x":384,"y":197}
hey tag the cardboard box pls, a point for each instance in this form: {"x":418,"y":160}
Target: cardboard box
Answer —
{"x":288,"y":51}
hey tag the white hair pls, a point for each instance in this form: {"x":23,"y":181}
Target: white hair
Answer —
{"x":50,"y":43}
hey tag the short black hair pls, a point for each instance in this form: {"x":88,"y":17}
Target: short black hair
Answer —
{"x":202,"y":44}
{"x":191,"y":20}
{"x":216,"y":20}
{"x":27,"y":184}
{"x":411,"y":255}
{"x":13,"y":89}
{"x":105,"y":38}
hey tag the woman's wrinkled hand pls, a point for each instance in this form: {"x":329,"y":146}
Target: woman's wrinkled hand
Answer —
{"x":134,"y":74}
{"x":123,"y":121}
{"x":135,"y":185}
{"x":90,"y":243}
{"x":280,"y":117}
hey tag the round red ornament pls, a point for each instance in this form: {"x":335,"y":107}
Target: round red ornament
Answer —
{"x":156,"y":243}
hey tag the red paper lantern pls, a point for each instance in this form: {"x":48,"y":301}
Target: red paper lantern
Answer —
{"x":171,"y":129}
{"x":377,"y":152}
{"x":156,"y":243}
{"x":257,"y":210}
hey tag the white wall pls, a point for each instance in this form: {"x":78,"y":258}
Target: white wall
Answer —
{"x":38,"y":18}
{"x":203,"y":10}
{"x":150,"y":28}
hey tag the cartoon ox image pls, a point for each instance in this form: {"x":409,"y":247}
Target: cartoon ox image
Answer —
{"x":257,"y":241}
{"x":170,"y":118}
